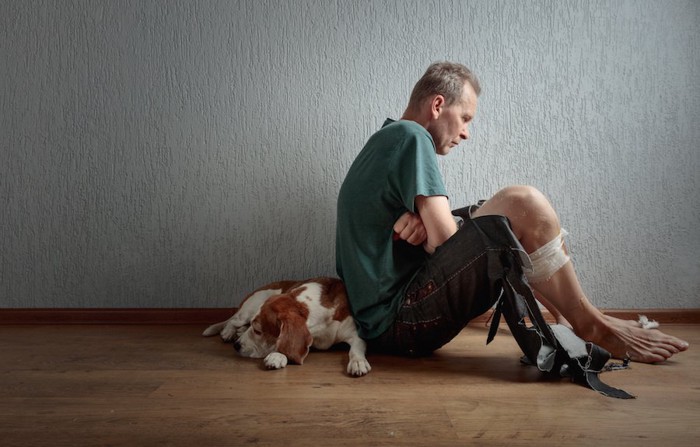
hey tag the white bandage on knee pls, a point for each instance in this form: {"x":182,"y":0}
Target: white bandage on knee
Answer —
{"x":547,"y":260}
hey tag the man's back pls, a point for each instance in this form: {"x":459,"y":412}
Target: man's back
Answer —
{"x":397,"y":164}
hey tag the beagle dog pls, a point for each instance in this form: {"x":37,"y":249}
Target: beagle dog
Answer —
{"x":281,"y":321}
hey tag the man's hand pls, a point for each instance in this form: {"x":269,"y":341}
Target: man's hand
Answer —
{"x":409,"y":227}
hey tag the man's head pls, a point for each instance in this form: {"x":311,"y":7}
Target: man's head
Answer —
{"x":446,"y":79}
{"x":444,"y":101}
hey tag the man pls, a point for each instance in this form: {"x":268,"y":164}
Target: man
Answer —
{"x":414,"y":276}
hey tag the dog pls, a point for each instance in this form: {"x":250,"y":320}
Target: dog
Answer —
{"x":281,"y":321}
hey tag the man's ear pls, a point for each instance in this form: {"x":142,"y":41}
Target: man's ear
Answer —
{"x":436,"y":105}
{"x":295,"y":339}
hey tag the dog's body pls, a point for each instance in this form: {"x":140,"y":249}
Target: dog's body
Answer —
{"x":282,"y":320}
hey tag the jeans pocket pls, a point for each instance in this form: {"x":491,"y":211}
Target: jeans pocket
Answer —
{"x":419,"y":294}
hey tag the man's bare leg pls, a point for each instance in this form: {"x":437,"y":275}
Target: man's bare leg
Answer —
{"x":535,"y":223}
{"x":558,"y":317}
{"x":619,"y":337}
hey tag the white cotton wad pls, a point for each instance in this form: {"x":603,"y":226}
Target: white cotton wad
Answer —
{"x":646,"y":323}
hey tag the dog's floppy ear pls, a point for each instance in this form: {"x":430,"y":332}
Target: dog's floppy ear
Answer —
{"x":295,"y":339}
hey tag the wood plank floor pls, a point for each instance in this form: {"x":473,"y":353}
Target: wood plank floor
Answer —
{"x":167,"y":385}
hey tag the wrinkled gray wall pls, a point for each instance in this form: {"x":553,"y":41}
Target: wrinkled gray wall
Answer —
{"x":179,"y":153}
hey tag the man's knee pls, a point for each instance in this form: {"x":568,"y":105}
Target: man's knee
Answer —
{"x":517,"y":203}
{"x":522,"y":197}
{"x":532,"y":217}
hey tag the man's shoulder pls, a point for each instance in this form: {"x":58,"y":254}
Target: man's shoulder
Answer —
{"x":401,"y":131}
{"x":403,"y":127}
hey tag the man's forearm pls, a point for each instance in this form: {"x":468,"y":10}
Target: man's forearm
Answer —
{"x":437,"y":219}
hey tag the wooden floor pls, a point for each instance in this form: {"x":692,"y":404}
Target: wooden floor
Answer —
{"x":166,"y":385}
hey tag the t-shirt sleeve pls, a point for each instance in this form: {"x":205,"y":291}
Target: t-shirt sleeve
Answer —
{"x":416,"y":171}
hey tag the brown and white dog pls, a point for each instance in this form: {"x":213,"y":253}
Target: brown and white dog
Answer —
{"x":282,"y":320}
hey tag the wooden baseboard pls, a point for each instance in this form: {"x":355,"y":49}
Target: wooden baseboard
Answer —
{"x":114,"y":316}
{"x":663,"y":316}
{"x":213,"y":315}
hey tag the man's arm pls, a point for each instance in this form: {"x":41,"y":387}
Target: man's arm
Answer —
{"x":437,"y":218}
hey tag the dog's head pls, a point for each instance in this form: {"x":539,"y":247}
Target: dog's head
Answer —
{"x":279,"y":326}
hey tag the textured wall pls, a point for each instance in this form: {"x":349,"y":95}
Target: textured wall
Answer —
{"x":178,"y":153}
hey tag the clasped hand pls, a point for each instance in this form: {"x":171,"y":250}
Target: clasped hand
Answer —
{"x":409,"y":227}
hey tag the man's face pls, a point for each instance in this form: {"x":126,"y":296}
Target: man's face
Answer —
{"x":450,"y":124}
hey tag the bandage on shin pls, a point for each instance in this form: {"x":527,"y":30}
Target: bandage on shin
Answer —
{"x":548,"y":259}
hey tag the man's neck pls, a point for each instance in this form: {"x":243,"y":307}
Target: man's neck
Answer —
{"x":412,"y":115}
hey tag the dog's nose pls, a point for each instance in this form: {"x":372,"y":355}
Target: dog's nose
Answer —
{"x":237,"y":345}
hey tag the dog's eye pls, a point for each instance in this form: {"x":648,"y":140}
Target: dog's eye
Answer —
{"x":256,"y":332}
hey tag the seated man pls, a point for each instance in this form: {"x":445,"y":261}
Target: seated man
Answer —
{"x":414,"y":278}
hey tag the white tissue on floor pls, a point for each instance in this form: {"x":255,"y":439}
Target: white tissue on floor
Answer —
{"x":646,"y":323}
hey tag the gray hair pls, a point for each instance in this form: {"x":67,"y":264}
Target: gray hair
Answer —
{"x":446,"y":79}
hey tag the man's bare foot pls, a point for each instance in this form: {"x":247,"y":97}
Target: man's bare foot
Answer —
{"x":625,"y":339}
{"x":631,"y":323}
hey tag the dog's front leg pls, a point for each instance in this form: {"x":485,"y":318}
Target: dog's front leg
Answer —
{"x":275,"y":360}
{"x":358,"y":364}
{"x":239,"y":323}
{"x":234,"y":328}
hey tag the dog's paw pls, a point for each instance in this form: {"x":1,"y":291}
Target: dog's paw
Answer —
{"x":275,"y":360}
{"x":240,"y":330}
{"x":227,"y":334}
{"x":232,"y":332}
{"x":358,"y":367}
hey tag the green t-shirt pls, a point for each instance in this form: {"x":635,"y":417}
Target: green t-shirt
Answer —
{"x":397,"y":164}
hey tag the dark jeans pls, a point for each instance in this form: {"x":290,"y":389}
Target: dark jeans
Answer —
{"x":454,"y":286}
{"x":481,"y":265}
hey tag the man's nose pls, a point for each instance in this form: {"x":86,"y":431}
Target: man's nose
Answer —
{"x":464,"y":134}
